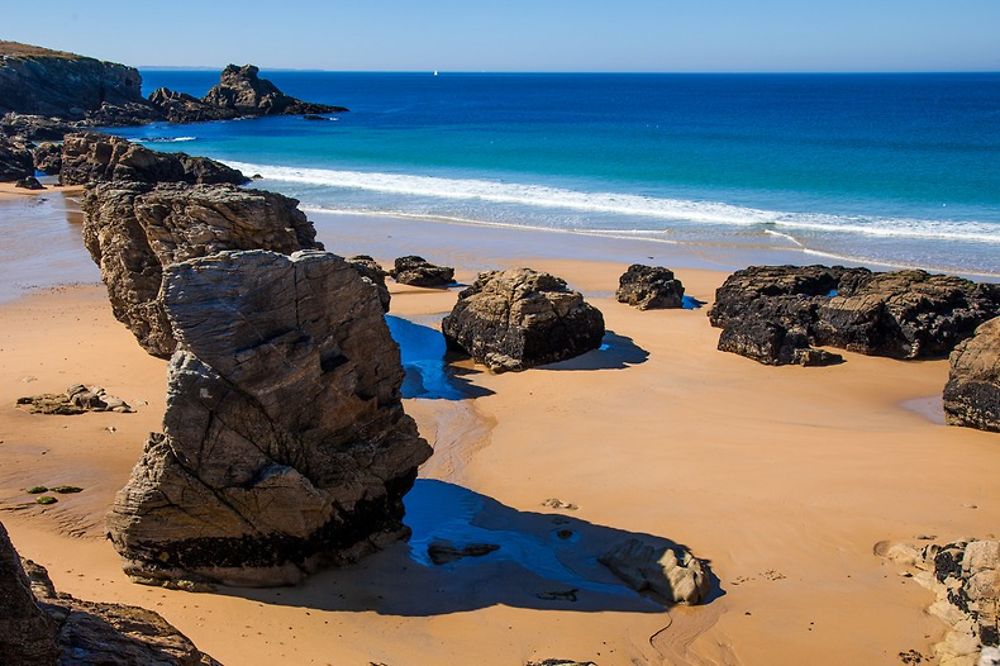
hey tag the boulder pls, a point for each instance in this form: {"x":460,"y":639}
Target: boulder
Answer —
{"x":40,"y":627}
{"x":673,"y":574}
{"x":374,"y":273}
{"x":284,"y":446}
{"x":48,"y":158}
{"x":134,"y":230}
{"x":774,"y":314}
{"x":516,"y":319}
{"x":29,"y":183}
{"x":650,"y":287}
{"x":16,"y":161}
{"x":91,"y":157}
{"x":972,"y":394}
{"x":418,"y":272}
{"x":77,"y":399}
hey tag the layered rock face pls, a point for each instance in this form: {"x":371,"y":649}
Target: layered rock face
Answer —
{"x":285,"y":445}
{"x":972,"y":394}
{"x":516,"y":319}
{"x":418,"y":272}
{"x":373,"y":272}
{"x":650,"y":287}
{"x":16,"y":161}
{"x":91,"y":157}
{"x":774,"y":314}
{"x":134,"y":230}
{"x":40,"y":627}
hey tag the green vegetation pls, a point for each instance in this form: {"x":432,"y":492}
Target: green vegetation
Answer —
{"x":66,"y":490}
{"x":37,"y":490}
{"x":19,"y":50}
{"x":46,"y":499}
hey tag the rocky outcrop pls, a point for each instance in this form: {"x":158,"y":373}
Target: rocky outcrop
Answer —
{"x":972,"y":394}
{"x":240,"y":92}
{"x":48,"y":158}
{"x":418,"y":272}
{"x":38,"y":128}
{"x":15,"y":160}
{"x":965,"y":578}
{"x":77,"y":399}
{"x":91,"y":157}
{"x":373,"y":272}
{"x":650,"y":287}
{"x":672,"y":574}
{"x":284,"y":444}
{"x":774,"y":314}
{"x":516,"y":319}
{"x":40,"y":627}
{"x":134,"y":230}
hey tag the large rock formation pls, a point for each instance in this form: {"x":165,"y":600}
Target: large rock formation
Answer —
{"x":650,"y":287}
{"x":134,"y":230}
{"x":92,"y":157}
{"x":373,"y":272}
{"x":774,"y":314}
{"x":285,"y":444}
{"x":515,"y":319}
{"x":418,"y":272}
{"x":16,"y":161}
{"x":39,"y":128}
{"x":972,"y":395}
{"x":240,"y":92}
{"x":40,"y":627}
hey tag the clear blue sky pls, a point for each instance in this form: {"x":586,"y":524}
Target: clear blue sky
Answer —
{"x":524,"y":35}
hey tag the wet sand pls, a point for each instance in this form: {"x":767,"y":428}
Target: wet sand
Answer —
{"x":783,"y":478}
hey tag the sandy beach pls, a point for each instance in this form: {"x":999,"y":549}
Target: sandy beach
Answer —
{"x":783,"y":479}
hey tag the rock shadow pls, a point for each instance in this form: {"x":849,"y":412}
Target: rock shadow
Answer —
{"x":545,"y":561}
{"x":616,"y":352}
{"x":425,"y":357}
{"x":689,"y":302}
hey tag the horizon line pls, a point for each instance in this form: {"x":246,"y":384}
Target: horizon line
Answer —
{"x":833,"y":72}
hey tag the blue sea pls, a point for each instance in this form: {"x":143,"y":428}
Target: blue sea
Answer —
{"x":893,"y":169}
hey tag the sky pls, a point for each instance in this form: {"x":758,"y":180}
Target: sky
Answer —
{"x":523,"y":35}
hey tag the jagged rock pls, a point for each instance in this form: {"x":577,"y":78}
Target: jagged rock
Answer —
{"x":673,"y":574}
{"x":29,"y":183}
{"x":134,"y":230}
{"x":40,"y":627}
{"x":373,"y":272}
{"x":972,"y":395}
{"x":516,"y":319}
{"x":48,"y":158}
{"x":650,"y":287}
{"x":77,"y":399}
{"x":179,"y":107}
{"x":285,"y":444}
{"x":774,"y":314}
{"x":15,"y":160}
{"x":91,"y":157}
{"x":442,"y":551}
{"x":418,"y":272}
{"x":38,"y":128}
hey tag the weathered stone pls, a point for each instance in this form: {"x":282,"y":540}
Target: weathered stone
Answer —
{"x":78,"y":399}
{"x":242,"y":89}
{"x":418,"y":272}
{"x":516,"y":319}
{"x":91,"y":157}
{"x":650,"y":287}
{"x":16,"y":161}
{"x":374,"y":273}
{"x":972,"y":394}
{"x":673,"y":574}
{"x":285,"y":445}
{"x":179,"y":107}
{"x":27,"y":633}
{"x":29,"y":183}
{"x":39,"y":128}
{"x":48,"y":158}
{"x":134,"y":230}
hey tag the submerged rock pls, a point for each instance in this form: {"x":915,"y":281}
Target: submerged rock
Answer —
{"x":673,"y":574}
{"x":91,"y":157}
{"x":650,"y":287}
{"x":443,"y":552}
{"x":40,"y":627}
{"x":134,"y":230}
{"x":77,"y":399}
{"x":972,"y":395}
{"x":774,"y":314}
{"x":285,"y":446}
{"x":374,"y":273}
{"x":418,"y":272}
{"x":516,"y":319}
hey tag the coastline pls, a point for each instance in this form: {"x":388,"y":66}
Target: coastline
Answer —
{"x":784,"y":478}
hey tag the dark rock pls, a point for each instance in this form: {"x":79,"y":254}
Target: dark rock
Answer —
{"x":285,"y":445}
{"x":516,"y":319}
{"x":29,"y":183}
{"x":91,"y":157}
{"x":373,"y":272}
{"x":650,"y":287}
{"x":179,"y":107}
{"x":774,"y":314}
{"x":418,"y":272}
{"x":77,"y":399}
{"x":39,"y":128}
{"x":972,"y":395}
{"x":48,"y":158}
{"x":134,"y":230}
{"x":16,"y":161}
{"x":40,"y":627}
{"x":313,"y":116}
{"x":443,"y":552}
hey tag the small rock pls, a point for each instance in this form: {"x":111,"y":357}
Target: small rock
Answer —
{"x":418,"y":272}
{"x":29,"y":183}
{"x":442,"y":552}
{"x":671,"y":573}
{"x":650,"y":287}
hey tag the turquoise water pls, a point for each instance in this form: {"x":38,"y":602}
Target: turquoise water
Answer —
{"x":893,"y":169}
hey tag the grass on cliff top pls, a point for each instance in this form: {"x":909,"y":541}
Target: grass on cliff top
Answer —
{"x":17,"y":49}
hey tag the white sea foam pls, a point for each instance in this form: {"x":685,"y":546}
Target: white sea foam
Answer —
{"x":678,"y":210}
{"x":168,"y":139}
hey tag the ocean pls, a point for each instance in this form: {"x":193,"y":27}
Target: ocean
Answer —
{"x":887,"y":169}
